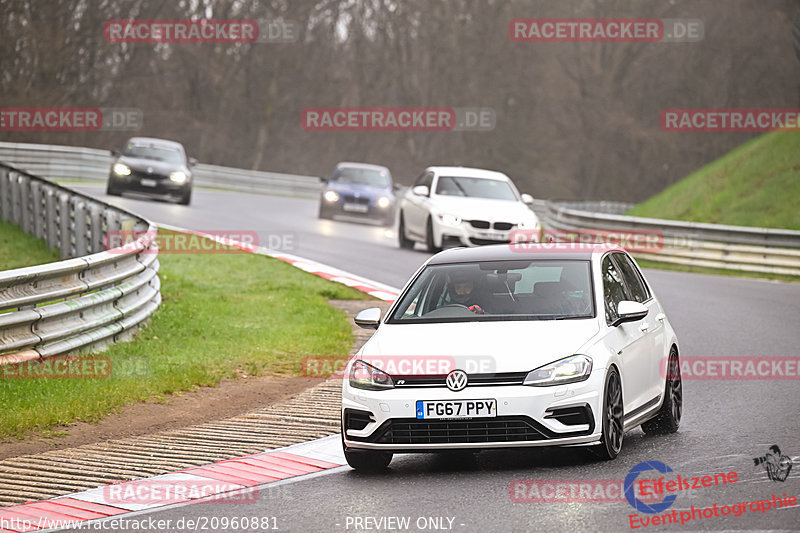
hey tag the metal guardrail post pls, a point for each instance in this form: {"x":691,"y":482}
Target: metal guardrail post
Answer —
{"x":16,"y":213}
{"x":80,"y":226}
{"x":26,"y":222}
{"x":37,"y":208}
{"x":113,"y":220}
{"x":51,"y":217}
{"x":5,"y":195}
{"x":95,"y":227}
{"x":63,"y":221}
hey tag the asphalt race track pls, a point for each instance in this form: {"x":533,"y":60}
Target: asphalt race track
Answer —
{"x":726,"y":423}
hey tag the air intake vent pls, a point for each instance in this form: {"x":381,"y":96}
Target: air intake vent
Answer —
{"x":357,"y":420}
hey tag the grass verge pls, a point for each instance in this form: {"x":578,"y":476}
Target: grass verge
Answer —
{"x":18,"y":249}
{"x":757,"y":184}
{"x":222,"y":315}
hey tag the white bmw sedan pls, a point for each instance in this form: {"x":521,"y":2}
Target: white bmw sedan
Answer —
{"x":500,"y":346}
{"x":462,"y":206}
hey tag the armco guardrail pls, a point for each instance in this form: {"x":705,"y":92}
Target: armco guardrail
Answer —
{"x":765,"y":250}
{"x":710,"y":245}
{"x":92,"y":298}
{"x":70,"y":162}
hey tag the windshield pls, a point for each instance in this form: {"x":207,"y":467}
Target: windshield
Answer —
{"x":362,"y":176}
{"x":498,"y":290}
{"x":157,"y":153}
{"x":475,"y":187}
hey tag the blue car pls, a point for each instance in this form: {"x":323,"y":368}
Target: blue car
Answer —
{"x":359,"y":190}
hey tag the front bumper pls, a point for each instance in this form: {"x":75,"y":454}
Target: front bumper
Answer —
{"x":369,"y":210}
{"x":467,"y":235}
{"x":150,"y":185}
{"x":526,"y":416}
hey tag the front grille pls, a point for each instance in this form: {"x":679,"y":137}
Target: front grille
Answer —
{"x":499,"y":378}
{"x":484,"y":224}
{"x":350,"y":199}
{"x":476,"y":430}
{"x":479,"y":224}
{"x":481,"y":242}
{"x":139,"y":175}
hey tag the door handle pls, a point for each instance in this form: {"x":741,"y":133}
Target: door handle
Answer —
{"x":660,"y":317}
{"x":643,"y":328}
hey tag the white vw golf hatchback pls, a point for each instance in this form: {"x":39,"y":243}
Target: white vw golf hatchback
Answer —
{"x":500,"y":346}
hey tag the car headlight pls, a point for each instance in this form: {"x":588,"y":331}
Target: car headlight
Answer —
{"x":331,"y":196}
{"x":384,"y":202}
{"x":365,"y":376}
{"x":178,"y":177}
{"x":450,"y":220}
{"x":121,"y":169}
{"x":568,"y":370}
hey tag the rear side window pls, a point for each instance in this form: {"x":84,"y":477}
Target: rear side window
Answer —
{"x":633,"y":278}
{"x":613,"y":289}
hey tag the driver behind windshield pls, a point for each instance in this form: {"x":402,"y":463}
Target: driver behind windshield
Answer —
{"x":462,"y":292}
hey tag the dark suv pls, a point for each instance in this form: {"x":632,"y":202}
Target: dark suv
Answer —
{"x":153,"y":167}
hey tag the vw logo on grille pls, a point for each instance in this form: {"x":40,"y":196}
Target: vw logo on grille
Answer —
{"x":149,"y":170}
{"x":456,"y":380}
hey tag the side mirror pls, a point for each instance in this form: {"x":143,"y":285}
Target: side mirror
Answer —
{"x":192,"y":161}
{"x":369,"y":318}
{"x":628,"y":311}
{"x":421,"y":190}
{"x":115,"y":153}
{"x":527,"y":198}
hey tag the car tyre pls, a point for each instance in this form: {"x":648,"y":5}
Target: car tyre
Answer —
{"x":668,"y":418}
{"x":324,"y":214}
{"x":186,"y":198}
{"x":613,"y":423}
{"x":404,"y":241}
{"x":112,"y":191}
{"x":432,"y":248}
{"x":366,"y":460}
